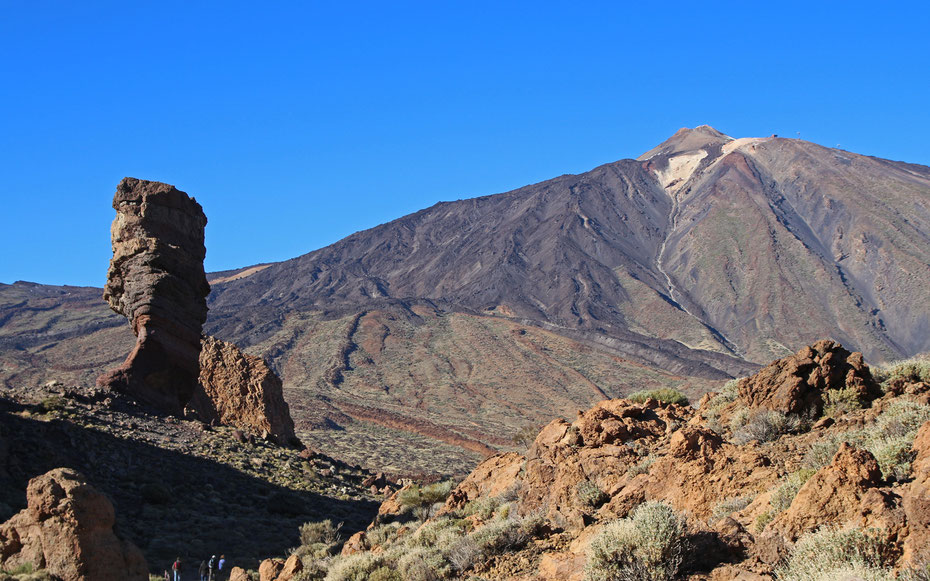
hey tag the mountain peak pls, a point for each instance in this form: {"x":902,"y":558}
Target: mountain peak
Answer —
{"x":687,"y":139}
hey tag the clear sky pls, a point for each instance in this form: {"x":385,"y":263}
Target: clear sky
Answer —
{"x":297,"y":123}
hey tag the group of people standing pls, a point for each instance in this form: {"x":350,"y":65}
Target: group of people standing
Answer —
{"x":212,"y":570}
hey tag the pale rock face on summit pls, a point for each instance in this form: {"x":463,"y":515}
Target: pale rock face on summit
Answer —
{"x":156,"y":280}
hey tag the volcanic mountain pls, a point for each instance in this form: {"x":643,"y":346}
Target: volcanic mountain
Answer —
{"x":466,"y":321}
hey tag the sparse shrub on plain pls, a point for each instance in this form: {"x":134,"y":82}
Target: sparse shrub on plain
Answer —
{"x":728,"y":506}
{"x":666,"y":395}
{"x":589,"y":494}
{"x":764,"y":519}
{"x":765,"y":426}
{"x":463,"y":553}
{"x":647,"y":546}
{"x":829,"y":553}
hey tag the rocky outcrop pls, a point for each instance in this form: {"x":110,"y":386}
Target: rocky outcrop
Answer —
{"x":917,"y":503}
{"x":240,"y":390}
{"x":156,"y":280}
{"x":798,"y":383}
{"x":67,"y":529}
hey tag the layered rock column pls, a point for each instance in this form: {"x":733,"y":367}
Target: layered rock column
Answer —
{"x":156,"y":280}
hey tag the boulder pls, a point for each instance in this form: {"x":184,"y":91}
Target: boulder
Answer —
{"x":239,"y":574}
{"x":240,"y":390}
{"x":292,"y":567}
{"x":67,"y":529}
{"x":270,"y":569}
{"x":156,"y":280}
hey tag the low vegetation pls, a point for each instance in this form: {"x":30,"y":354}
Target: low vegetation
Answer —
{"x":666,"y":395}
{"x":650,"y":545}
{"x":830,"y":554}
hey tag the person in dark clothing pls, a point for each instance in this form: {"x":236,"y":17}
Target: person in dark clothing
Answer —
{"x":204,"y":571}
{"x":212,"y":567}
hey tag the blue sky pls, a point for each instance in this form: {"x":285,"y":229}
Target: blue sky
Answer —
{"x":297,"y":123}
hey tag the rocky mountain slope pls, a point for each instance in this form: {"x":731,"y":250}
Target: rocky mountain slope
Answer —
{"x":179,"y":486}
{"x":809,"y":470}
{"x":452,"y":328}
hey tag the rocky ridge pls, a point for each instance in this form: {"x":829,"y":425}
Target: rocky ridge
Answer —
{"x":808,"y":446}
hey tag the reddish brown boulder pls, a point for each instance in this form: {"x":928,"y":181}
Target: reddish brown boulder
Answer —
{"x":156,"y":280}
{"x":239,"y":574}
{"x":67,"y":529}
{"x":292,"y":567}
{"x":796,"y":384}
{"x":270,"y":569}
{"x":240,"y":390}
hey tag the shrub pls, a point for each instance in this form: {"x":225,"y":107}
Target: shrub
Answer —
{"x":788,"y":489}
{"x":463,"y":553}
{"x":728,"y":506}
{"x":423,"y":564}
{"x":320,"y":532}
{"x":588,"y":494}
{"x":482,"y":507}
{"x":422,"y":498}
{"x":357,"y":567}
{"x":765,"y":426}
{"x":641,"y":467}
{"x":763,"y":520}
{"x":727,"y":394}
{"x":647,"y":546}
{"x":914,"y":369}
{"x":841,"y":401}
{"x":827,"y":553}
{"x":666,"y":395}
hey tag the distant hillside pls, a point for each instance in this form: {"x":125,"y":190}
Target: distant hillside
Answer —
{"x":446,"y":331}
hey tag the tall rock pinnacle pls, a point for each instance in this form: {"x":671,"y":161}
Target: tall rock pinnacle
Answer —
{"x":156,"y":280}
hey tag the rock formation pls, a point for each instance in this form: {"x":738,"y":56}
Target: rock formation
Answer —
{"x":156,"y":280}
{"x":67,"y":529}
{"x":240,"y":390}
{"x":799,"y":383}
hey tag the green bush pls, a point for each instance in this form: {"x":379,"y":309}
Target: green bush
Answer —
{"x":788,"y":489}
{"x":765,"y":426}
{"x":829,"y":554}
{"x":647,"y":546}
{"x":423,"y":564}
{"x":666,"y":395}
{"x":914,"y":369}
{"x":422,"y":498}
{"x":641,"y":467}
{"x":589,"y":494}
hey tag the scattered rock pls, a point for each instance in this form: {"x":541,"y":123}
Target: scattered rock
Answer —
{"x":156,"y":280}
{"x":67,"y":528}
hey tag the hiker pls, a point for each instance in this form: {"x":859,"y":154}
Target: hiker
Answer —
{"x":204,"y":571}
{"x":177,"y":569}
{"x":211,"y":566}
{"x":221,"y":567}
